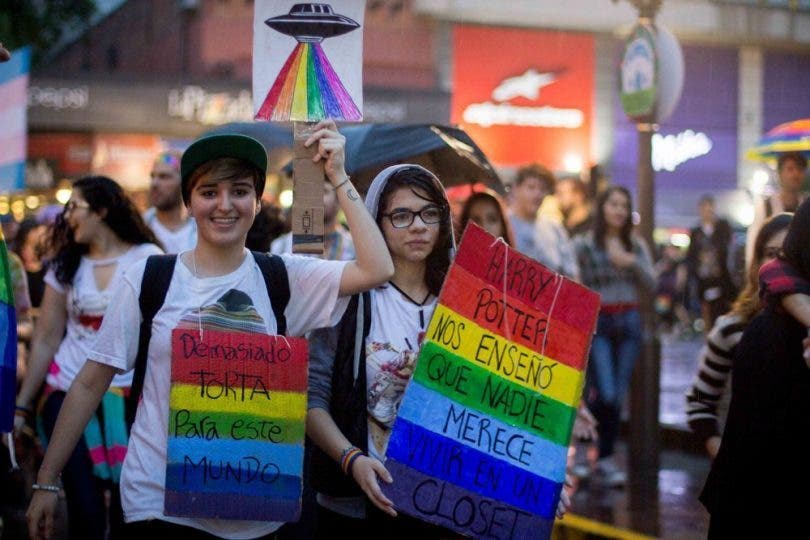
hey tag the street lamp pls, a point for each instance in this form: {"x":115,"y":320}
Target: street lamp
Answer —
{"x":641,"y":98}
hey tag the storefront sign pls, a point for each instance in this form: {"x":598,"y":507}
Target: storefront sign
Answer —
{"x":638,"y":73}
{"x":527,"y":86}
{"x":59,"y":98}
{"x":195,"y":104}
{"x":669,"y":151}
{"x":524,"y":95}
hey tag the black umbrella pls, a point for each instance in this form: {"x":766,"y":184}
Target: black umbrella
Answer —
{"x":276,"y":138}
{"x":446,"y":151}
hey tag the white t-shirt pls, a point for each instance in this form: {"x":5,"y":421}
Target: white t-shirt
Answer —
{"x":338,"y":245}
{"x":86,"y":306}
{"x":176,"y":241}
{"x":314,"y":303}
{"x":396,"y":333}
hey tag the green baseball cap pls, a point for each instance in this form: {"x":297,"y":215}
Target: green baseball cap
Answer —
{"x":230,"y":145}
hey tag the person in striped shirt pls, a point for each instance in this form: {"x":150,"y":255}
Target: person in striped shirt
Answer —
{"x":706,"y":395}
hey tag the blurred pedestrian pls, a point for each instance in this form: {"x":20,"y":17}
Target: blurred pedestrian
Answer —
{"x":615,"y":264}
{"x":537,"y":236}
{"x":168,"y":217}
{"x":764,"y":446}
{"x":30,"y":247}
{"x":707,"y":262}
{"x":671,"y":290}
{"x":222,"y":179}
{"x":487,"y":210}
{"x":268,"y":225}
{"x":98,"y":236}
{"x":572,"y":197}
{"x":706,"y":395}
{"x":792,"y":170}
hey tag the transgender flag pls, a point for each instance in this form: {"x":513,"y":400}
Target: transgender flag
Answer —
{"x":13,"y":106}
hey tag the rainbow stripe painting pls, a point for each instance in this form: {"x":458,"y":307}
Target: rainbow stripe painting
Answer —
{"x":8,"y":342}
{"x":307,"y":87}
{"x":237,"y":406}
{"x":481,"y":438}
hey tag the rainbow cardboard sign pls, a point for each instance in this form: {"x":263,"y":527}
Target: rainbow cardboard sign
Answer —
{"x":479,"y":445}
{"x":237,"y":406}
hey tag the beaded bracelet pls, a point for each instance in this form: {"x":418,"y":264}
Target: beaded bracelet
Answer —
{"x":53,"y":488}
{"x":340,"y":185}
{"x":347,"y":457}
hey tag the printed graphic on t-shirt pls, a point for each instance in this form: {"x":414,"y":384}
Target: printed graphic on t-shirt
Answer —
{"x":90,"y":309}
{"x":236,"y":416}
{"x":388,"y":371}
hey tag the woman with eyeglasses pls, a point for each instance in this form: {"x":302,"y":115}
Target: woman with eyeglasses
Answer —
{"x":704,"y":397}
{"x":355,"y":392}
{"x":97,"y":237}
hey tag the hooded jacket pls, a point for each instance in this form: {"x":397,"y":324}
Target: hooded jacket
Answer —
{"x":337,"y":378}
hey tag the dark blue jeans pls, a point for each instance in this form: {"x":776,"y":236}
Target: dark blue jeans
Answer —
{"x":87,"y":511}
{"x":614,"y":352}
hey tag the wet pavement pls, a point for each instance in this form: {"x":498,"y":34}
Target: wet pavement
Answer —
{"x":662,"y":505}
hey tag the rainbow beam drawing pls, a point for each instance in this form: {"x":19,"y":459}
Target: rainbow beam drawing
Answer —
{"x":307,"y":88}
{"x":480,"y":441}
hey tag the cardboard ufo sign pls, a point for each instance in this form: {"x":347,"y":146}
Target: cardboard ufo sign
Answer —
{"x":303,"y":83}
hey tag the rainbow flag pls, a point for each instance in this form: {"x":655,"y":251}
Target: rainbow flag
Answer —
{"x":480,"y":441}
{"x":8,"y":343}
{"x":13,"y":110}
{"x":237,"y":408}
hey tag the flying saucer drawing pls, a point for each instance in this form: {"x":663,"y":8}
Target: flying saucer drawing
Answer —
{"x":307,"y":88}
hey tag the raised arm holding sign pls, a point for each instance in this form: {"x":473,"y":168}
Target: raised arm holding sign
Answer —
{"x":306,"y":87}
{"x":217,"y":440}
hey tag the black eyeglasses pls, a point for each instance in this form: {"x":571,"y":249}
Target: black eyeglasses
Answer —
{"x":70,"y":206}
{"x":403,"y":218}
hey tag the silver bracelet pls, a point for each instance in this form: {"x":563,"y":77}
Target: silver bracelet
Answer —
{"x":340,"y":185}
{"x":53,"y":488}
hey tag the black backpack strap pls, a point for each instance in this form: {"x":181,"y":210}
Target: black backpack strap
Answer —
{"x":278,"y":286}
{"x":157,"y":276}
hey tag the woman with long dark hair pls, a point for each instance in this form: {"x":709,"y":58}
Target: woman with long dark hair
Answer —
{"x":488,"y":211}
{"x":98,"y":236}
{"x":764,"y":448}
{"x":716,"y":358}
{"x":356,"y":391}
{"x":615,"y":263}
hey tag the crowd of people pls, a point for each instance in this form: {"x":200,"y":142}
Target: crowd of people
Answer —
{"x":377,"y":285}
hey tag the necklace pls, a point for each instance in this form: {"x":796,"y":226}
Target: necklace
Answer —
{"x":420,"y":304}
{"x":199,"y":307}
